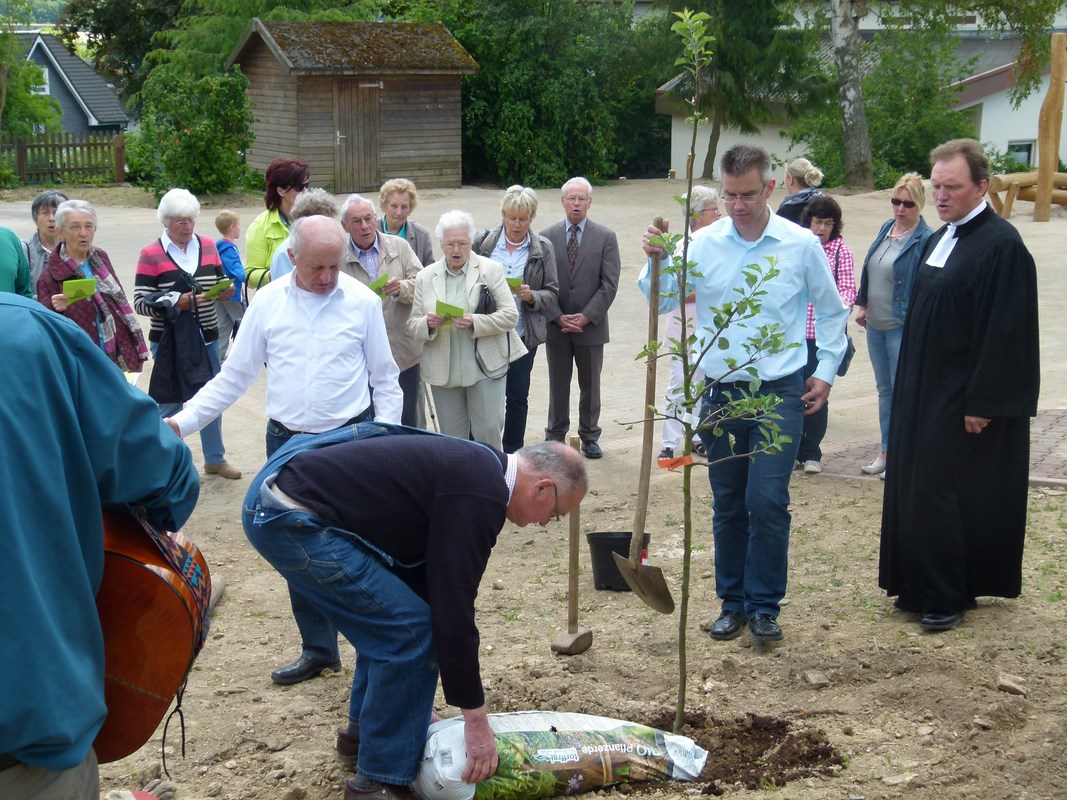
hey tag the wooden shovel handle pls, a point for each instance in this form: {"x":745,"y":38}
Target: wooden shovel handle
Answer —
{"x":641,"y":510}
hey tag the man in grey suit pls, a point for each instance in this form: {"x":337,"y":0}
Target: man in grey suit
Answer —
{"x":587,"y":261}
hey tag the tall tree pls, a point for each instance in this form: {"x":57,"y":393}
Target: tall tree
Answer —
{"x":119,"y":35}
{"x":1029,"y":19}
{"x":765,"y":70}
{"x":22,"y":107}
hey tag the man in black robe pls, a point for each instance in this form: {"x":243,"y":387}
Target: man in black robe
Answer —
{"x":959,"y":439}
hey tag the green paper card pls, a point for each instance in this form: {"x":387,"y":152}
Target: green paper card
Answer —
{"x":218,"y":288}
{"x":79,"y":289}
{"x":448,"y":311}
{"x":379,"y":283}
{"x":514,"y":284}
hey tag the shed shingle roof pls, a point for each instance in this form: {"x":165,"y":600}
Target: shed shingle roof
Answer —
{"x":359,"y":47}
{"x":98,"y":99}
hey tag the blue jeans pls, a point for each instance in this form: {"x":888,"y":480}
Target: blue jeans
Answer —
{"x":517,"y":401}
{"x":347,"y":580}
{"x":210,"y":434}
{"x":318,"y":636}
{"x":884,"y":349}
{"x":751,"y":501}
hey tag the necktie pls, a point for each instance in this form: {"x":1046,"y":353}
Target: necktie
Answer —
{"x":572,"y":247}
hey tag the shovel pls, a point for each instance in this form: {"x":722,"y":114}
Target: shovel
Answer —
{"x":577,"y":639}
{"x":645,"y":581}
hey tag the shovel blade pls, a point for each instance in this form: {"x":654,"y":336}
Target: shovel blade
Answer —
{"x":647,"y":583}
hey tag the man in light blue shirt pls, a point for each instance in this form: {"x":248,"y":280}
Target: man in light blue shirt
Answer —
{"x":751,"y":495}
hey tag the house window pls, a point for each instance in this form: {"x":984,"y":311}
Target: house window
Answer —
{"x":1022,"y":152}
{"x":43,"y":88}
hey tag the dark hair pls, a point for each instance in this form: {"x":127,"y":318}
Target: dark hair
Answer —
{"x":972,"y":153}
{"x":48,"y":199}
{"x":742,"y":158}
{"x":823,"y":207}
{"x":284,"y":173}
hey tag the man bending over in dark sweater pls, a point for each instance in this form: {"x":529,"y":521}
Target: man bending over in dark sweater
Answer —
{"x":388,"y":536}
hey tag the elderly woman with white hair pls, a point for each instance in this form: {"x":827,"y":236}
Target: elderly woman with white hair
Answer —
{"x":704,"y":210}
{"x":174,"y":277}
{"x":530,"y":269}
{"x":105,"y":313}
{"x":464,"y":314}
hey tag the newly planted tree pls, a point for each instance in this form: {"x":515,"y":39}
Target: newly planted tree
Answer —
{"x":736,"y":317}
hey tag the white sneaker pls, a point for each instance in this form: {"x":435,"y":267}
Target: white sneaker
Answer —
{"x":797,"y":465}
{"x":812,"y":467}
{"x":881,"y":475}
{"x":876,"y":467}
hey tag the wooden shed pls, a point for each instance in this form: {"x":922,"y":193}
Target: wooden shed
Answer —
{"x":361,"y":102}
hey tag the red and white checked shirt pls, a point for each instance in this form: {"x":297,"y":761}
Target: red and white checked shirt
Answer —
{"x":840,"y":258}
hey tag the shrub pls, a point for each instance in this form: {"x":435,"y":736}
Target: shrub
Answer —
{"x":194,"y":132}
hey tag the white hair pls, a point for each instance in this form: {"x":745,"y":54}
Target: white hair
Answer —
{"x":71,"y":207}
{"x":455,"y":219}
{"x":701,"y":197}
{"x":581,"y":182}
{"x":177,"y":203}
{"x":351,"y":200}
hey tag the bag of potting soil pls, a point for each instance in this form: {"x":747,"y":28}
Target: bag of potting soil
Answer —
{"x":544,"y":754}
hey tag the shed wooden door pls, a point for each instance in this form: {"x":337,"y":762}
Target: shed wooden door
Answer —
{"x":356,"y":118}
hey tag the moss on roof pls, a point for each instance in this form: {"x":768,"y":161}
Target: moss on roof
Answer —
{"x":367,"y":46}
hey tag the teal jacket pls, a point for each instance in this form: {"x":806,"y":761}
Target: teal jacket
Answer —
{"x":77,"y":438}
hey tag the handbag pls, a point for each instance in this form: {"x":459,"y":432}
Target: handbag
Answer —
{"x":850,"y":348}
{"x":486,"y":304}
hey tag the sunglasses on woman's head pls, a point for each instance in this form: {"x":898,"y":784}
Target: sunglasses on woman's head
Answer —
{"x":906,"y":203}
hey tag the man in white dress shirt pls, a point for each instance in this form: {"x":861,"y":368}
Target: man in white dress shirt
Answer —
{"x":322,"y":335}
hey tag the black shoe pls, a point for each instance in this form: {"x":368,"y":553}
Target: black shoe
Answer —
{"x":303,"y":669}
{"x":937,"y":621}
{"x":347,"y":746}
{"x":728,"y":626}
{"x":591,"y":450}
{"x":666,"y":453}
{"x":764,"y":628}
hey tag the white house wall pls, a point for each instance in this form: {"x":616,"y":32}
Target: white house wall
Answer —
{"x":1000,"y":124}
{"x":769,"y":138}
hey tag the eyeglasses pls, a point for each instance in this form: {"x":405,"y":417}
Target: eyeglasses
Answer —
{"x":909,"y":204}
{"x":576,"y":198}
{"x":183,"y":221}
{"x":456,"y":245}
{"x":367,"y":219}
{"x":78,"y":227}
{"x":555,"y":513}
{"x":747,"y":197}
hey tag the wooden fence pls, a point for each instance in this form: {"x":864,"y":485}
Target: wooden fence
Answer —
{"x":61,"y":158}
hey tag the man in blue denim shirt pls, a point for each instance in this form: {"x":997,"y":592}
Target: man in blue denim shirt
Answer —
{"x":751,"y":495}
{"x":387,"y":531}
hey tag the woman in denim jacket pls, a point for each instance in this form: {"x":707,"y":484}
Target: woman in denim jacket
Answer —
{"x":885,"y":286}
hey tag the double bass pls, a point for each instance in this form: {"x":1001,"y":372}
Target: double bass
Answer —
{"x":153,"y":604}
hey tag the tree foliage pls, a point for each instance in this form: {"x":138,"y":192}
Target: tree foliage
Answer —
{"x":907,"y":106}
{"x":119,"y":35}
{"x":22,"y":108}
{"x":1031,"y":20}
{"x":564,"y":87}
{"x":766,"y":73}
{"x":194,"y":132}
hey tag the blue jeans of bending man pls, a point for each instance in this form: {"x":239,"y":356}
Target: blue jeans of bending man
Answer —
{"x":750,"y":500}
{"x":348,"y":581}
{"x":883,"y":347}
{"x":210,"y":434}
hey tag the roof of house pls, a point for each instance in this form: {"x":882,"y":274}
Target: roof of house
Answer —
{"x":97,"y":98}
{"x":359,"y":48}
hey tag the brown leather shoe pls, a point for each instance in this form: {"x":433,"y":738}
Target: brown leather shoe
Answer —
{"x":223,"y":468}
{"x":379,"y":791}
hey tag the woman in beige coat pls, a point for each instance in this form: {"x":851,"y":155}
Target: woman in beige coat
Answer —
{"x":466,"y":351}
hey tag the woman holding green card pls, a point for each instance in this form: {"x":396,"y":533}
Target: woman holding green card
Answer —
{"x":93,"y":297}
{"x":464,"y":314}
{"x":530,"y":269}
